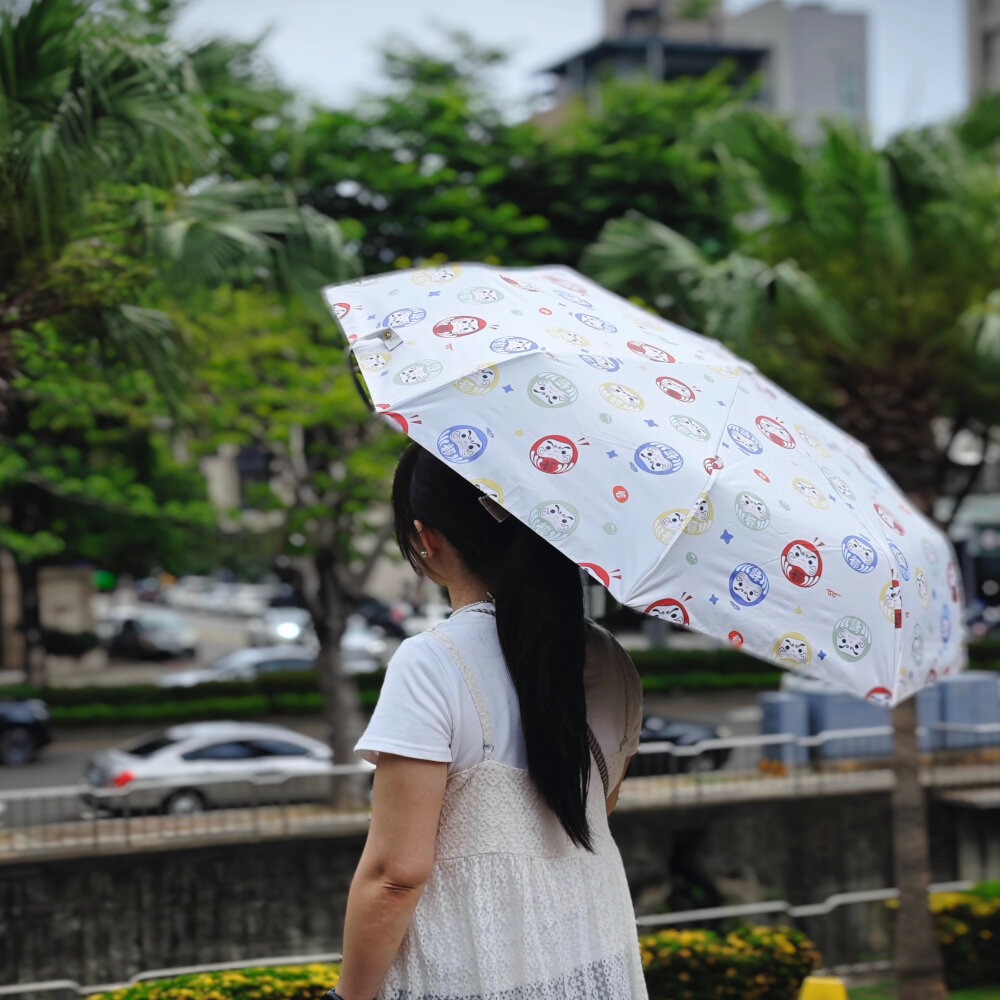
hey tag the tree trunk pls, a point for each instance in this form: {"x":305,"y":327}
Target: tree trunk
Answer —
{"x":31,"y":623}
{"x":341,"y":704}
{"x":918,"y":965}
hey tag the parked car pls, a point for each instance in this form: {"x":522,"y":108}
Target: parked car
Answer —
{"x":389,"y":618}
{"x":189,"y":768}
{"x":281,"y":625}
{"x":24,"y":730}
{"x":244,"y":665}
{"x":679,"y":733}
{"x":363,"y":649}
{"x":148,"y":633}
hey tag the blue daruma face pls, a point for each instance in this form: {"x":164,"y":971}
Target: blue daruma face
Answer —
{"x":658,"y":459}
{"x":859,"y":553}
{"x":461,"y":444}
{"x":748,"y":585}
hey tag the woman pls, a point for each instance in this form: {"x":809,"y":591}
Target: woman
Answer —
{"x":489,"y":870}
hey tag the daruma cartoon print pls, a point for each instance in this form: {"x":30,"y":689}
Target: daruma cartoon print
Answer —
{"x":674,"y":474}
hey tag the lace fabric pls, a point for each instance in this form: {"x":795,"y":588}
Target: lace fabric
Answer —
{"x":513,"y":910}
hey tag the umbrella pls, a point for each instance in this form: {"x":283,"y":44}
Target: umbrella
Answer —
{"x":693,"y":488}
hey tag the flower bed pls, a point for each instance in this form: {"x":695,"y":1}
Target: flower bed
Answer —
{"x":750,"y":963}
{"x":968,"y":926}
{"x":306,"y":982}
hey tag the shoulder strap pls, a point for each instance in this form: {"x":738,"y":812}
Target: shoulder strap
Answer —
{"x":478,"y":699}
{"x":602,"y":765}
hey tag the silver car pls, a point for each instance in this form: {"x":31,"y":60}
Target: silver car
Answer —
{"x":188,"y":768}
{"x":244,"y":665}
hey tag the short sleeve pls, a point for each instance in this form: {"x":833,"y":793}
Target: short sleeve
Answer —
{"x":415,"y":711}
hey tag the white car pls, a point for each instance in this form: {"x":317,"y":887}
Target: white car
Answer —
{"x":147,"y":632}
{"x":188,"y":768}
{"x":363,"y":649}
{"x":282,"y":625}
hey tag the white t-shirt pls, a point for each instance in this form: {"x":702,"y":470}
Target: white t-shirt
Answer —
{"x":425,"y":709}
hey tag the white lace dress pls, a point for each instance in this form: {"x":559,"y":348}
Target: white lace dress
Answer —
{"x":513,"y":910}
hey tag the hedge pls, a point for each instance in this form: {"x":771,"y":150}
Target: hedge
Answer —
{"x":751,"y":963}
{"x":662,"y":671}
{"x":968,"y":926}
{"x":276,"y":694}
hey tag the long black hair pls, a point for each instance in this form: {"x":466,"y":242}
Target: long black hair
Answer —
{"x":540,"y":621}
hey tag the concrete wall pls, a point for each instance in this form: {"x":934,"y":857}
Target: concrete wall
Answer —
{"x":98,"y":919}
{"x":818,"y":62}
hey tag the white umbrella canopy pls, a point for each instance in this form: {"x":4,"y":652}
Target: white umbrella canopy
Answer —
{"x":693,"y":488}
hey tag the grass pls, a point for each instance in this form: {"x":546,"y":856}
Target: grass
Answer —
{"x":887,"y":991}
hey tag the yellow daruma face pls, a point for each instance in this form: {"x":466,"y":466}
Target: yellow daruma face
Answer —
{"x":479,"y":381}
{"x":793,"y":649}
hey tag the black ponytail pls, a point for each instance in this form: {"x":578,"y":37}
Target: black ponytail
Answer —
{"x":540,"y":622}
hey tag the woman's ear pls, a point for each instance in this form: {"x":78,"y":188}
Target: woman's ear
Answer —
{"x":429,"y":539}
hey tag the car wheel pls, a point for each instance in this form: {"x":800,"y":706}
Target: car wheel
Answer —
{"x":700,"y":763}
{"x":186,"y":802}
{"x":17,"y":747}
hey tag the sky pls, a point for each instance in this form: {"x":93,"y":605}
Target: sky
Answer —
{"x":328,"y":49}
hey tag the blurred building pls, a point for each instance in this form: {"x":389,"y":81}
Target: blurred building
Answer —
{"x":983,"y":19}
{"x":812,"y":62}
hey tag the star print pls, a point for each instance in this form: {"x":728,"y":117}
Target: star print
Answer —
{"x":519,"y":434}
{"x":508,"y":388}
{"x":721,"y":402}
{"x":832,"y":497}
{"x":713,"y":599}
{"x":726,"y":536}
{"x":373,"y":315}
{"x":431,"y":295}
{"x":822,"y":654}
{"x":652,"y":423}
{"x":612,"y":453}
{"x":799,"y":611}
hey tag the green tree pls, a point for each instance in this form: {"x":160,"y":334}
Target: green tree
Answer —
{"x":278,"y":380}
{"x":436,"y":170}
{"x":870,"y":278}
{"x":111,"y":184}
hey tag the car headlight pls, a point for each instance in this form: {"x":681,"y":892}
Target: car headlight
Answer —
{"x":38,"y":709}
{"x":288,"y":630}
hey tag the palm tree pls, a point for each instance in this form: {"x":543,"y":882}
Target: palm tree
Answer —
{"x":866,"y":281}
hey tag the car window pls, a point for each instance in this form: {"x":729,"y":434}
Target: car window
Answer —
{"x":278,"y":748}
{"x":278,"y":666}
{"x":233,"y":750}
{"x":148,"y":745}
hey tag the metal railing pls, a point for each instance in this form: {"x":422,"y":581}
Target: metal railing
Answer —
{"x":732,"y":769}
{"x":66,"y":820}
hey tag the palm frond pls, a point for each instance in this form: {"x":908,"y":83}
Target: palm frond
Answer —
{"x":245,"y":231}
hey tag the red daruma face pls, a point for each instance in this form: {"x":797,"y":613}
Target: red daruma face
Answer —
{"x":801,"y":563}
{"x":554,"y":455}
{"x":459,"y":326}
{"x":669,"y":610}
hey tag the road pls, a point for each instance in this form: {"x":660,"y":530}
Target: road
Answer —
{"x":64,"y":761}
